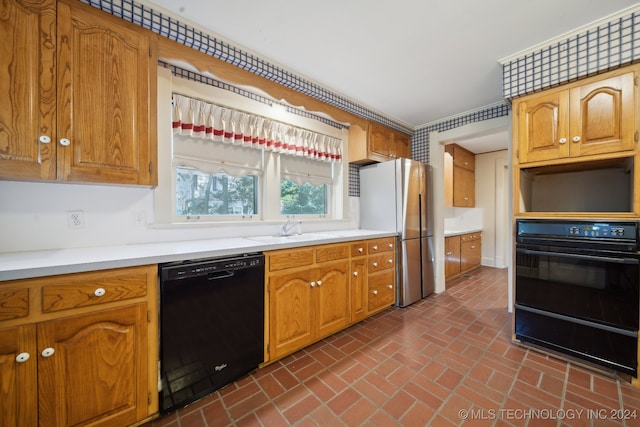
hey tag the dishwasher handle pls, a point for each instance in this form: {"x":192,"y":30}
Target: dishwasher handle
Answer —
{"x":221,"y":275}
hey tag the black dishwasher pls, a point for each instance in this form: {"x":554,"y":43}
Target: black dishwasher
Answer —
{"x":211,"y":325}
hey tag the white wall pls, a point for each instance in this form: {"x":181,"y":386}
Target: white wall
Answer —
{"x":33,"y":216}
{"x":491,"y":188}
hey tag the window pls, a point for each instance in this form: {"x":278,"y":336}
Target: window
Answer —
{"x":305,"y":186}
{"x":305,"y":199}
{"x":199,"y":193}
{"x":235,"y":159}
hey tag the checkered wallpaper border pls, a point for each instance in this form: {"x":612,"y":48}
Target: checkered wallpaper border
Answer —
{"x":171,"y":28}
{"x":605,"y":47}
{"x":420,"y":139}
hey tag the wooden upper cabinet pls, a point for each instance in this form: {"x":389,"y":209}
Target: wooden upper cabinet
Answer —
{"x":462,"y":157}
{"x":380,"y":140}
{"x":464,"y":187}
{"x":592,"y":118}
{"x":602,"y":116}
{"x":460,"y":177}
{"x":106,"y":69}
{"x":402,"y":145}
{"x":377,"y":143}
{"x":81,"y":91}
{"x":28,"y":89}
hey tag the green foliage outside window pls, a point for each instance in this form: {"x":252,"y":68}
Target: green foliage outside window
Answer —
{"x":199,"y":193}
{"x":305,"y":199}
{"x":220,"y":194}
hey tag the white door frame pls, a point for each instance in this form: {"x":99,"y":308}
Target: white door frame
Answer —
{"x":437,"y":140}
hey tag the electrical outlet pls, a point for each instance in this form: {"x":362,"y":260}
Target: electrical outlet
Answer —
{"x":141,"y":218}
{"x":75,"y":219}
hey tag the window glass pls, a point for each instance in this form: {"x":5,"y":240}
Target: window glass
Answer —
{"x":216,"y":194}
{"x":303,"y":199}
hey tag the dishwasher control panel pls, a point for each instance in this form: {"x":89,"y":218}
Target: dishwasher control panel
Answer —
{"x":196,"y":268}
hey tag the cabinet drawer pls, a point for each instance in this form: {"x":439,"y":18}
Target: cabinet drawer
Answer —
{"x":381,"y":262}
{"x":470,"y":237}
{"x":382,"y":290}
{"x":14,"y":303}
{"x":83,"y":290}
{"x":359,"y":249}
{"x":382,"y":245}
{"x":281,"y":260}
{"x":326,"y":253}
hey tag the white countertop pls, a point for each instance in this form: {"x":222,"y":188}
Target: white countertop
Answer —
{"x":21,"y":265}
{"x":457,"y":232}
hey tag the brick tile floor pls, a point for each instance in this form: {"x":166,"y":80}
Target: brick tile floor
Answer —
{"x":447,"y":360}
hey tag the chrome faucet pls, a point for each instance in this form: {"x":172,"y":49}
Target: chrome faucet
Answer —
{"x":286,"y":228}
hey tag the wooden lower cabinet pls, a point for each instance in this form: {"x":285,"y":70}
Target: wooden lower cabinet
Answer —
{"x":92,"y":366}
{"x":359,"y":289}
{"x":470,"y":251}
{"x":309,"y":303}
{"x":306,"y":306}
{"x":333,"y":310}
{"x":18,"y":379}
{"x":462,"y":253}
{"x":313,"y":292}
{"x":382,"y":291}
{"x":99,"y":361}
{"x":381,"y":274}
{"x":451,"y":256}
{"x":290,"y":305}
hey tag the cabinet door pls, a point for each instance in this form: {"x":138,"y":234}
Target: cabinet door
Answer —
{"x":380,"y":139}
{"x":97,"y":374}
{"x":464,"y":187}
{"x":452,"y":256}
{"x":470,"y":254}
{"x":106,"y":71}
{"x":27,"y":89}
{"x":463,"y":158}
{"x":290,"y":311}
{"x":18,"y":381}
{"x":602,"y":116}
{"x":333,"y":298}
{"x":401,"y":145}
{"x":542,"y":127}
{"x":358,"y":289}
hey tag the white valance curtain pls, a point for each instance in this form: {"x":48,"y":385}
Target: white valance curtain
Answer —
{"x":199,"y":119}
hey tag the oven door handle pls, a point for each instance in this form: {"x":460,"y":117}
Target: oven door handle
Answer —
{"x":583,"y":257}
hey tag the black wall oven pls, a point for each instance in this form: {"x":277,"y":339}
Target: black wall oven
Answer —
{"x":577,"y":289}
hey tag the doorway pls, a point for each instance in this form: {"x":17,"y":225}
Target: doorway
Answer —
{"x":497,"y":226}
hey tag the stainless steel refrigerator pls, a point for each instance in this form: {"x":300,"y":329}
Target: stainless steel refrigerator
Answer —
{"x":396,"y":196}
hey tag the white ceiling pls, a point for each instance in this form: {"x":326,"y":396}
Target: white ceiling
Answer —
{"x":414,"y":61}
{"x":495,"y":141}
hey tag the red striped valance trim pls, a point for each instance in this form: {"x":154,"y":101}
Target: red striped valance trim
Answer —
{"x":202,"y":120}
